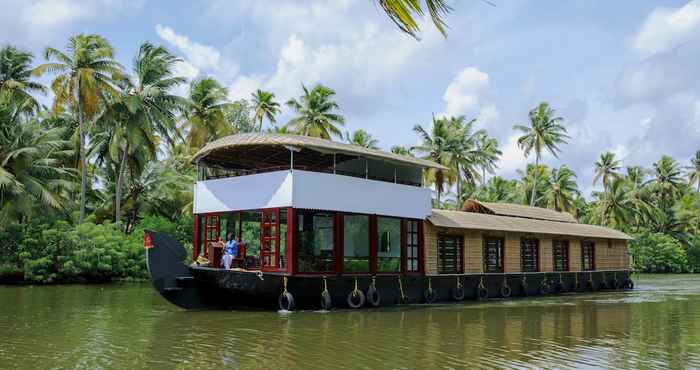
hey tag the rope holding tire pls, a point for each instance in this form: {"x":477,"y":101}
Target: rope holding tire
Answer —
{"x":356,"y":298}
{"x":591,"y":284}
{"x":429,"y":294}
{"x":458,"y":291}
{"x":523,"y":285}
{"x":505,"y":289}
{"x":402,"y":296}
{"x":373,"y":296}
{"x":286,"y":299}
{"x":603,"y":284}
{"x":326,"y":301}
{"x":543,"y":289}
{"x":481,"y":291}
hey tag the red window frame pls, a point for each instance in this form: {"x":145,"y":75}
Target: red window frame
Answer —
{"x":270,"y":239}
{"x":564,"y":253}
{"x":523,"y":244}
{"x":587,"y":252}
{"x":500,"y":248}
{"x":407,"y":234}
{"x":459,"y":254}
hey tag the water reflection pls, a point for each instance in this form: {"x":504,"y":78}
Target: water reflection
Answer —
{"x":128,"y":326}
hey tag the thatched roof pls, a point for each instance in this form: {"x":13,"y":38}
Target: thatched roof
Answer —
{"x":306,"y":142}
{"x":482,"y":221}
{"x":517,"y":210}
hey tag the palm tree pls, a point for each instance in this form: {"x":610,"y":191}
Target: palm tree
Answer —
{"x":497,"y":189}
{"x":85,"y":75}
{"x":563,"y":190}
{"x":606,"y":169}
{"x":404,"y":12}
{"x":401,"y":150}
{"x":205,"y":112}
{"x":544,"y":132}
{"x":638,"y":195}
{"x":489,"y":147}
{"x":264,"y":107}
{"x":534,"y":184}
{"x":436,"y":146}
{"x":31,"y":173}
{"x":315,"y":116}
{"x":694,"y":171}
{"x":146,"y":107}
{"x":613,"y":208}
{"x":667,"y":179}
{"x":362,"y":138}
{"x":15,"y":78}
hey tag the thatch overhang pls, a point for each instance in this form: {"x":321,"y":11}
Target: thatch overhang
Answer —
{"x":492,"y":222}
{"x":245,"y":150}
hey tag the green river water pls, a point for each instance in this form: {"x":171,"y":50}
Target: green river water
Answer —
{"x":128,"y":326}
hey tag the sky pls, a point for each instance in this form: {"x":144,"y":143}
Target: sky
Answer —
{"x":624,"y":75}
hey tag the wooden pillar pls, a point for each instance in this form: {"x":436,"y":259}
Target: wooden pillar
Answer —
{"x":195,"y":242}
{"x":289,"y":240}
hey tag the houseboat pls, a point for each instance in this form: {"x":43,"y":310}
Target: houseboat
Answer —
{"x":322,"y":224}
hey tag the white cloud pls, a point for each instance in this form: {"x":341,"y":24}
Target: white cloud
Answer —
{"x":200,"y":56}
{"x":621,"y":152}
{"x":488,"y":115}
{"x":666,"y":28}
{"x":512,"y":158}
{"x":243,"y":86}
{"x":465,"y":92}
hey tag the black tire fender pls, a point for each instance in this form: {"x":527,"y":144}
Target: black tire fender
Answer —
{"x":505,"y":291}
{"x":602,"y":285}
{"x":629,"y":284}
{"x":558,"y":287}
{"x":482,"y":292}
{"x":430,"y":295}
{"x":286,"y":301}
{"x":326,"y":301}
{"x":543,"y":289}
{"x":457,"y":293}
{"x":373,"y":296}
{"x":356,"y":299}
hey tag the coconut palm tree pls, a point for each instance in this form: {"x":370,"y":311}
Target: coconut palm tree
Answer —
{"x":404,"y":13}
{"x":84,"y":79}
{"x":143,"y":114}
{"x":535,"y":177}
{"x":606,"y":168}
{"x":16,"y":78}
{"x":315,"y":113}
{"x":401,"y":150}
{"x":362,"y":138}
{"x":694,"y":171}
{"x":204,"y":116}
{"x":436,"y":146}
{"x":612,"y":207}
{"x":667,"y":180}
{"x":498,"y":189}
{"x":265,"y":106}
{"x":489,"y":147}
{"x":31,"y":170}
{"x":563,"y":190}
{"x":545,"y":132}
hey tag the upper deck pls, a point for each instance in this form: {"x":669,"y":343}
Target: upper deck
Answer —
{"x":257,"y":171}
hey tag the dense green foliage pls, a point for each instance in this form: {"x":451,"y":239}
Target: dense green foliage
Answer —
{"x":81,"y":180}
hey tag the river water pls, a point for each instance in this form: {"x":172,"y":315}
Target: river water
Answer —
{"x":128,"y":326}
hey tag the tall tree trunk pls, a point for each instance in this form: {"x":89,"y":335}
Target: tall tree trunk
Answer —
{"x":534,"y":180}
{"x":83,"y":162}
{"x":118,"y":190}
{"x":459,"y":188}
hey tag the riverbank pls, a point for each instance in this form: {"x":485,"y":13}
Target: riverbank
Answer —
{"x":128,"y":326}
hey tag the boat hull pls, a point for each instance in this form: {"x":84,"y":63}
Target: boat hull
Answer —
{"x":199,"y":287}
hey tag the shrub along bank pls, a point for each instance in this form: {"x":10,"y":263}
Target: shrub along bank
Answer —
{"x":60,"y":252}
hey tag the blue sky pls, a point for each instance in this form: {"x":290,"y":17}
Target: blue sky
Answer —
{"x":623,"y":74}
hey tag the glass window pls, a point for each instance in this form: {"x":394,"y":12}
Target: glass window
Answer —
{"x":529,"y":255}
{"x":587,"y":256}
{"x":314,"y":241}
{"x":250,"y":233}
{"x":388,"y":244}
{"x":493,"y":255}
{"x":560,"y":252}
{"x":356,"y":243}
{"x":412,"y":246}
{"x":449,"y":254}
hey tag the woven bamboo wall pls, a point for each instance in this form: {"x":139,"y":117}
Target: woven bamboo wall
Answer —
{"x":608,"y":255}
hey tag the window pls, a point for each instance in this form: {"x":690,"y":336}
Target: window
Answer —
{"x":560,"y":252}
{"x":587,"y":256}
{"x":412,"y":246}
{"x":493,"y":255}
{"x":314,"y":241}
{"x":529,"y":255}
{"x":450,"y":254}
{"x":250,"y":233}
{"x":388,"y":244}
{"x":355,"y":243}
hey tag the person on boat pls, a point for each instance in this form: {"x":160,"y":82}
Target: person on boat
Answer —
{"x":230,"y":251}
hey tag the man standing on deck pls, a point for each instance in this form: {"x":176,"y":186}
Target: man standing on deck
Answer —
{"x":230,"y":251}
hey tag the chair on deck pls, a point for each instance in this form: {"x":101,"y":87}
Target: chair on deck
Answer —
{"x":239,"y":261}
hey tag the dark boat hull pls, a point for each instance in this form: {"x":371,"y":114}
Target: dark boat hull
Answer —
{"x":198,"y":287}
